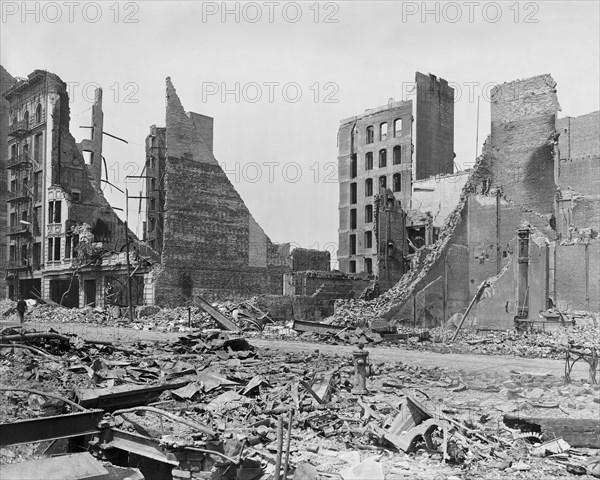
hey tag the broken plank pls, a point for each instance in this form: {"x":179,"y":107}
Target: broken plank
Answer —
{"x":217,"y":316}
{"x":315,"y":327}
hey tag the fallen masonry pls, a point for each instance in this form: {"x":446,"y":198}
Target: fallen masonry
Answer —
{"x":211,"y":405}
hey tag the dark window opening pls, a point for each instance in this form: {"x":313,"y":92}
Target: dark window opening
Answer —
{"x":50,"y":249}
{"x":369,"y":161}
{"x":353,"y":166}
{"x":76,"y":196}
{"x":370,"y":134}
{"x":57,"y":248}
{"x":383,"y":181}
{"x":382,"y":158}
{"x":397,"y":181}
{"x":397,"y":155}
{"x":353,"y":193}
{"x":353,"y":219}
{"x":352,"y":266}
{"x":368,"y":213}
{"x":368,"y":187}
{"x":369,"y":239}
{"x":26,"y":119}
{"x":54,"y":211}
{"x":352,"y":244}
{"x":38,"y":114}
{"x":369,"y":265}
{"x":68,"y":246}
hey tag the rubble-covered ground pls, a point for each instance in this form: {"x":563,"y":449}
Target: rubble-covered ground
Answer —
{"x":240,"y":392}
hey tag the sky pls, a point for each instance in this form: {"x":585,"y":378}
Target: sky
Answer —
{"x":277,"y":77}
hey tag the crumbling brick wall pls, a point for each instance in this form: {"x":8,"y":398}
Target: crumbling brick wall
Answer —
{"x":520,"y":151}
{"x":309,"y":259}
{"x":331,"y":285}
{"x":434,"y":126}
{"x":212,"y":246}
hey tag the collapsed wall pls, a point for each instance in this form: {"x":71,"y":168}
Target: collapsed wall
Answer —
{"x":212,"y":246}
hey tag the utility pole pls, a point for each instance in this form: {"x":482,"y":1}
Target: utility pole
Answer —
{"x":129,"y":302}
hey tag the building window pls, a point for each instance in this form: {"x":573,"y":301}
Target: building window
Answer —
{"x":397,"y":181}
{"x":352,"y":244}
{"x":26,"y":119}
{"x":13,"y":150}
{"x":370,"y":134}
{"x":353,"y":193}
{"x":68,"y":246}
{"x":353,"y":219}
{"x":397,"y":127}
{"x":75,"y":245}
{"x":153,"y":204}
{"x":38,"y":114}
{"x":76,"y":196}
{"x":369,"y":265}
{"x":368,"y":187}
{"x":50,"y":249}
{"x":397,"y":155}
{"x":37,"y":147}
{"x":382,"y":158}
{"x":383,"y":181}
{"x":12,"y":253}
{"x":352,"y":266}
{"x":152,"y":224}
{"x":368,"y":213}
{"x":369,"y":161}
{"x":57,"y":248}
{"x":54,"y":211}
{"x":383,"y":131}
{"x":353,"y":166}
{"x":369,"y":239}
{"x":152,"y":184}
{"x":37,"y":255}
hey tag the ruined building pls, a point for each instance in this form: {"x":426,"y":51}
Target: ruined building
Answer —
{"x":65,"y":242}
{"x":380,"y":155}
{"x":209,"y":242}
{"x":526,"y":223}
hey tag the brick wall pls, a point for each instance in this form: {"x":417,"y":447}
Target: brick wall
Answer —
{"x":434,"y":126}
{"x":520,"y":152}
{"x":308,"y":259}
{"x":578,"y":276}
{"x":330,"y":284}
{"x":212,"y":246}
{"x":579,"y":136}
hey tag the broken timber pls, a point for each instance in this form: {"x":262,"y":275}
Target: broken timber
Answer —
{"x":315,"y":327}
{"x":217,"y":316}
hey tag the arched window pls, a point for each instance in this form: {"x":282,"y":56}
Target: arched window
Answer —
{"x":369,"y":161}
{"x":38,"y":114}
{"x":383,"y":131}
{"x":368,"y":187}
{"x":370,"y":134}
{"x":368,"y":213}
{"x":383,"y":181}
{"x":397,"y":127}
{"x":397,"y":181}
{"x":382,"y":158}
{"x":397,"y":155}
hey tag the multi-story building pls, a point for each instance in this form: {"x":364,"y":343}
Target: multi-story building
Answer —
{"x":65,"y":242}
{"x":375,"y":157}
{"x":155,"y":170}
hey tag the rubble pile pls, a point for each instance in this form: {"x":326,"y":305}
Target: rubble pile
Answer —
{"x":216,"y":392}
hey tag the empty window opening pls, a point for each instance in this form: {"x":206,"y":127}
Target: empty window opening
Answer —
{"x":68,"y":246}
{"x":368,"y":213}
{"x":383,"y":181}
{"x":369,"y":161}
{"x":397,"y":181}
{"x":353,"y":193}
{"x":397,"y":127}
{"x":369,"y":265}
{"x":54,"y":211}
{"x":368,"y":187}
{"x":369,"y":239}
{"x":370,"y":134}
{"x":416,"y":238}
{"x":353,"y":219}
{"x":383,"y":128}
{"x":26,"y":119}
{"x":57,"y":248}
{"x":397,"y":155}
{"x":153,"y":204}
{"x":88,"y":158}
{"x":37,"y":147}
{"x":352,"y":244}
{"x":353,"y":166}
{"x":76,"y":195}
{"x":382,"y":158}
{"x":38,"y":114}
{"x":352,"y":266}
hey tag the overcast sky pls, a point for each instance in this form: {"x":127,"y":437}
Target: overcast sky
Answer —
{"x":278,"y":76}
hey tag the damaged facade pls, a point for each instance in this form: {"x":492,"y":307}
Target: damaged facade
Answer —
{"x":209,"y":242}
{"x":526,"y":223}
{"x":376,"y":169}
{"x":65,"y":242}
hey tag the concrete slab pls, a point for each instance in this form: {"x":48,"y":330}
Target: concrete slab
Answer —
{"x":77,"y":466}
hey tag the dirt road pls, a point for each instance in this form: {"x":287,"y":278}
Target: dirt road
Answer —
{"x":475,"y":364}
